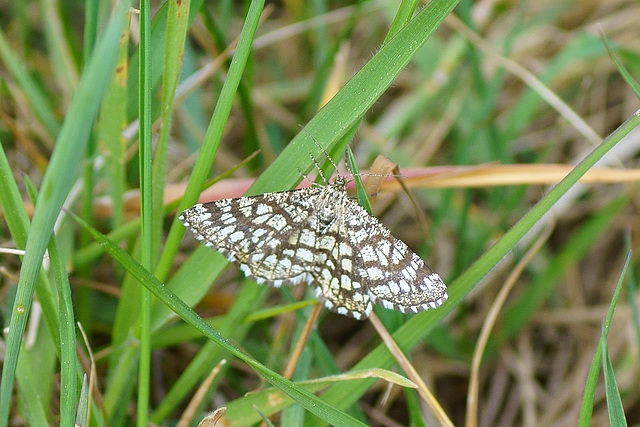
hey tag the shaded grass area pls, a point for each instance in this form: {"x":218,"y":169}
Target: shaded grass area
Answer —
{"x":531,"y":270}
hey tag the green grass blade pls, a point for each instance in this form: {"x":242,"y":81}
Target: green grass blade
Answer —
{"x":614,"y":402}
{"x":403,"y":16}
{"x":363,"y":197}
{"x":419,"y":325}
{"x":632,"y":291}
{"x":110,"y":124}
{"x":590,"y":389}
{"x":592,"y":378}
{"x":55,"y":187}
{"x":33,"y":93}
{"x":68,"y":362}
{"x":311,"y":402}
{"x":177,"y":26}
{"x":145,"y":156}
{"x":90,"y":28}
{"x":214,"y":134}
{"x":626,"y":75}
{"x":83,"y":404}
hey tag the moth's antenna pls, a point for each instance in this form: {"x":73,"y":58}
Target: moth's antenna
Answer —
{"x":304,"y":175}
{"x":326,"y":155}
{"x":335,"y":166}
{"x":346,"y":165}
{"x":349,"y":161}
{"x":315,"y":162}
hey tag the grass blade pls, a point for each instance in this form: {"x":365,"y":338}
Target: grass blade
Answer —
{"x":55,"y":187}
{"x":419,"y":325}
{"x":311,"y":402}
{"x":611,"y":388}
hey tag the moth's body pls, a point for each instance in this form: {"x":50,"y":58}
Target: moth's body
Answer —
{"x":321,"y":236}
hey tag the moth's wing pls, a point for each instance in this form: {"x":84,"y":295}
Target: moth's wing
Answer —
{"x":393,"y":274}
{"x":337,"y":283}
{"x":254,"y":232}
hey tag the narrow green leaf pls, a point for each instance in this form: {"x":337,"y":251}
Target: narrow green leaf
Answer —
{"x":214,"y":134}
{"x":147,"y":202}
{"x":177,"y":25}
{"x":112,"y":120}
{"x":419,"y":325}
{"x":311,"y":402}
{"x":83,"y":404}
{"x":403,"y":16}
{"x":271,"y":401}
{"x":363,"y":197}
{"x":68,"y":362}
{"x":614,"y":402}
{"x":57,"y":182}
{"x":626,"y":75}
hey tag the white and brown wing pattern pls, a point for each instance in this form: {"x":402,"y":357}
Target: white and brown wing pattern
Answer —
{"x":253,"y":232}
{"x":395,"y":276}
{"x":321,"y":236}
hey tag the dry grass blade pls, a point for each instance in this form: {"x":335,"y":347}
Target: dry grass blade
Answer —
{"x":530,"y":79}
{"x":411,"y":372}
{"x":380,"y":170}
{"x":302,"y":341}
{"x":484,"y":115}
{"x":194,"y":404}
{"x":90,"y":366}
{"x":492,"y":175}
{"x":214,"y":419}
{"x":487,"y":327}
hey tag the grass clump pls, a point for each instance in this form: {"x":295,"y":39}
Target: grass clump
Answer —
{"x":484,"y":111}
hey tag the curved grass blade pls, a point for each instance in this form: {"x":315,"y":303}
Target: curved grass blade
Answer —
{"x":421,"y":324}
{"x":56,"y":184}
{"x":311,"y":402}
{"x":613,"y":396}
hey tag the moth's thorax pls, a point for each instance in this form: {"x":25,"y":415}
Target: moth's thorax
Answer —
{"x":332,"y":202}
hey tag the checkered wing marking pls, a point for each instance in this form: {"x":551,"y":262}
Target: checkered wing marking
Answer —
{"x":319,"y":235}
{"x":395,"y":276}
{"x":259,"y":233}
{"x":338,"y":285}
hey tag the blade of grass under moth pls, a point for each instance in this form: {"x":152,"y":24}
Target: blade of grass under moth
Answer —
{"x":311,"y":402}
{"x":419,"y":325}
